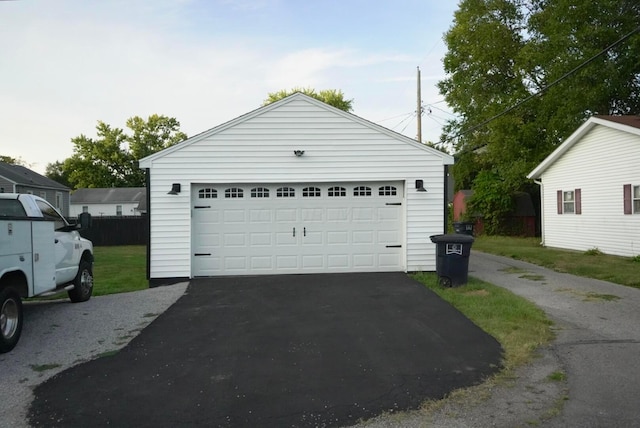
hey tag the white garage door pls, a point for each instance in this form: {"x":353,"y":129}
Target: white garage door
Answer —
{"x":297,"y":228}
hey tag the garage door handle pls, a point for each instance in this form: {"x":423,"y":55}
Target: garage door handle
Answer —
{"x":202,"y":254}
{"x":394,"y":246}
{"x":294,"y":232}
{"x":304,"y":231}
{"x":393,"y":203}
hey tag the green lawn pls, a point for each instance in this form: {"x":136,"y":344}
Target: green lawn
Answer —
{"x":590,"y":264}
{"x":119,"y":269}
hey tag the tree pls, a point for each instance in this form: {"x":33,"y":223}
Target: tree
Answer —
{"x":56,"y":172}
{"x":12,"y":161}
{"x":332,"y":97}
{"x":111,"y":160}
{"x":501,"y":54}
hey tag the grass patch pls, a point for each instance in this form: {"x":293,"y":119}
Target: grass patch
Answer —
{"x":108,"y":353}
{"x":119,"y":269}
{"x":513,"y":269}
{"x":590,"y":264}
{"x":532,"y":277}
{"x":558,"y":376}
{"x":516,"y":323}
{"x":43,"y":367}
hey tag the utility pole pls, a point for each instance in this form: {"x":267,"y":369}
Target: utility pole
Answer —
{"x":419,"y":109}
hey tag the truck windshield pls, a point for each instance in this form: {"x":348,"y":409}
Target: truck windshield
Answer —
{"x":11,"y":208}
{"x":51,"y":214}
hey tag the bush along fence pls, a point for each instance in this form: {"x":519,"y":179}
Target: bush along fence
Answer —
{"x":109,"y":231}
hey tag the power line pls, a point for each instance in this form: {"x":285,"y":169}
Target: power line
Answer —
{"x":542,"y":90}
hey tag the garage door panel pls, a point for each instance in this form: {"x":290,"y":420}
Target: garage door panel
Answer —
{"x":261,"y":216}
{"x":296,"y":233}
{"x":261,"y":239}
{"x":235,"y":240}
{"x":337,"y":237}
{"x":234,"y":216}
{"x":262,"y":263}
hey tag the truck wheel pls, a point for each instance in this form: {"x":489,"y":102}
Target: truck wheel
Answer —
{"x":10,"y":319}
{"x":83,"y":283}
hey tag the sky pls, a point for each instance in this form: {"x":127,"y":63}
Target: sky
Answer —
{"x":67,"y":64}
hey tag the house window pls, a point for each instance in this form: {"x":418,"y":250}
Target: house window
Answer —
{"x":1,"y":189}
{"x":207,"y":193}
{"x":59,"y":200}
{"x":387,"y":191}
{"x":233,"y":192}
{"x":259,"y":192}
{"x":362,"y":191}
{"x":43,"y":195}
{"x":119,"y":210}
{"x":286,"y":192}
{"x":570,"y":201}
{"x":311,"y":192}
{"x":337,"y":191}
{"x":85,"y":208}
{"x":631,"y":199}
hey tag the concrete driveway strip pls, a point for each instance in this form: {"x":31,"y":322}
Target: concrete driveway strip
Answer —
{"x":277,"y":351}
{"x":598,"y":338}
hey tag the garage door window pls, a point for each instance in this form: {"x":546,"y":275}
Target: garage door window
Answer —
{"x":387,"y":191}
{"x":234,"y":192}
{"x":207,"y":194}
{"x":337,"y":192}
{"x":286,"y":192}
{"x":311,"y":192}
{"x":259,"y":192}
{"x":362,"y":191}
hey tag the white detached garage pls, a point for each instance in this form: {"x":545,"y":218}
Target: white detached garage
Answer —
{"x":294,"y":187}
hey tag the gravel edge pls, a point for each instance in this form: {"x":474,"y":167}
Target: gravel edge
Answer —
{"x":58,"y":334}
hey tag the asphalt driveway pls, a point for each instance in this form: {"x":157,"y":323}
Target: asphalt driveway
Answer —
{"x":276,"y":351}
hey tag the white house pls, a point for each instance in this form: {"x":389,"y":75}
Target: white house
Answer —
{"x":590,"y":188}
{"x":104,"y":202}
{"x":296,"y":186}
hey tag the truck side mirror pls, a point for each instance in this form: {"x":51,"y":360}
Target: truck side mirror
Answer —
{"x":85,"y":220}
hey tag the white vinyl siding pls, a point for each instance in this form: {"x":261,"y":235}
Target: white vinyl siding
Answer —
{"x":599,"y":164}
{"x":260,"y":149}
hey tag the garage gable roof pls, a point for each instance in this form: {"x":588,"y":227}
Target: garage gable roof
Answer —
{"x":147,"y":161}
{"x":630,"y":124}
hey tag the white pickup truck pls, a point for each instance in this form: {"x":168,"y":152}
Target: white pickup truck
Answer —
{"x":41,"y":254}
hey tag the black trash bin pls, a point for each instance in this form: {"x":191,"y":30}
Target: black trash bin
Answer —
{"x":464,"y":227}
{"x":452,"y":258}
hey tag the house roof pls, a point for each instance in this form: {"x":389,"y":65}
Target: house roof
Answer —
{"x":112,"y":195}
{"x":630,"y":124}
{"x":147,"y":161}
{"x":20,"y":175}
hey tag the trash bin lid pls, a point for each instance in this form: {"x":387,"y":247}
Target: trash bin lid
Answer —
{"x":456,"y":238}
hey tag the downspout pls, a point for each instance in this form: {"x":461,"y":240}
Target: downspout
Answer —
{"x":446,"y":198}
{"x":539,"y":183}
{"x":148,"y":197}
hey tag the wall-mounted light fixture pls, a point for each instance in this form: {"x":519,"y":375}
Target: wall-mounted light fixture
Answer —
{"x":420,"y":186}
{"x":298,"y":152}
{"x":175,"y":189}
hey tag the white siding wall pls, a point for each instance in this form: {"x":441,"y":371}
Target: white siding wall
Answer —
{"x":260,"y":149}
{"x":600,"y":164}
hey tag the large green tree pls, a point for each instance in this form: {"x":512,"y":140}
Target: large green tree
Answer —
{"x":510,"y":79}
{"x":332,"y":97}
{"x":111,"y":159}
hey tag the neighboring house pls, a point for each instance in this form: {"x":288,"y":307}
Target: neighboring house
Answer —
{"x":590,"y":188}
{"x":296,"y":186}
{"x":19,"y":179}
{"x":119,"y":202}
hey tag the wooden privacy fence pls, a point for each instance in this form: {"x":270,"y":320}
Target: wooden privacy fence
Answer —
{"x":108,"y":231}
